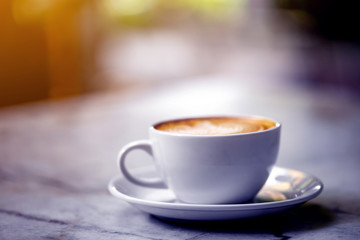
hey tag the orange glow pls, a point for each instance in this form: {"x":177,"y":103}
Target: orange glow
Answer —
{"x":27,"y":11}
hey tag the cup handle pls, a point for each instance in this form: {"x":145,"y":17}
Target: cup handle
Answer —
{"x":146,"y":146}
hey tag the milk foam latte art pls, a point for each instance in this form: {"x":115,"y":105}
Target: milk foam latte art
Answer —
{"x":216,"y":125}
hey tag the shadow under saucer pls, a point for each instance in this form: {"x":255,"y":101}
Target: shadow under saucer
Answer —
{"x":304,"y":217}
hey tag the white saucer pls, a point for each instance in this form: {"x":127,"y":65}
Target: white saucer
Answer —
{"x":284,"y":189}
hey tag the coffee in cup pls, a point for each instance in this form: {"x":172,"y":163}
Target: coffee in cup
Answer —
{"x":209,"y":160}
{"x":216,"y":125}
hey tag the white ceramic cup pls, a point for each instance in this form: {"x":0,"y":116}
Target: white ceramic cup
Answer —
{"x":208,"y":169}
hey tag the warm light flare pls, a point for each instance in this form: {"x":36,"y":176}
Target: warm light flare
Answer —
{"x":214,"y":8}
{"x":128,"y":7}
{"x":30,"y":10}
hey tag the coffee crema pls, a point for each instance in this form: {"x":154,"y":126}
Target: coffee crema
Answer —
{"x":216,"y":125}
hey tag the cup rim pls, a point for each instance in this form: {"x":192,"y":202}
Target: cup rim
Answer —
{"x":277,"y":126}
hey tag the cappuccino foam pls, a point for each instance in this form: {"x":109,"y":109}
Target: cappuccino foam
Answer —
{"x":216,"y":125}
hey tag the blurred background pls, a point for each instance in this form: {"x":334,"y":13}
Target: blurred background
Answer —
{"x":61,"y":48}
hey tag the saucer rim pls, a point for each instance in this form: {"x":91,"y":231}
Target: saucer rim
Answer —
{"x":223,"y":207}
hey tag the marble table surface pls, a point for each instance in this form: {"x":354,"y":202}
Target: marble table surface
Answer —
{"x":57,"y":157}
